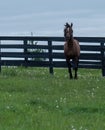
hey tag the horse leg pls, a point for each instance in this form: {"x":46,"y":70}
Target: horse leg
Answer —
{"x":69,"y":69}
{"x":76,"y":69}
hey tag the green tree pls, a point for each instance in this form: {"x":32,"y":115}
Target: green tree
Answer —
{"x":35,"y":50}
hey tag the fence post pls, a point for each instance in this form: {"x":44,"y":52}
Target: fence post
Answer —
{"x":50,"y":57}
{"x":25,"y":53}
{"x":103,"y":59}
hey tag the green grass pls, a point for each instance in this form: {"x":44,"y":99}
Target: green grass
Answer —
{"x":32,"y":99}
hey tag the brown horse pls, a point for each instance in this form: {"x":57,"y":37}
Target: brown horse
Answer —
{"x":71,"y":50}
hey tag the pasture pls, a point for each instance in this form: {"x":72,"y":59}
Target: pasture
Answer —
{"x":32,"y":99}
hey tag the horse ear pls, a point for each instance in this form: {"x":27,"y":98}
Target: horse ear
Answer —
{"x":66,"y":25}
{"x":71,"y":24}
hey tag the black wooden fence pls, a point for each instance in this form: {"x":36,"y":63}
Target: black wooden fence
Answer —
{"x":19,"y":51}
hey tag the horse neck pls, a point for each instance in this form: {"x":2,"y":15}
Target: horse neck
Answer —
{"x":70,"y":42}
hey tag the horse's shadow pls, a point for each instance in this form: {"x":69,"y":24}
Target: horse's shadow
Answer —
{"x":84,"y":110}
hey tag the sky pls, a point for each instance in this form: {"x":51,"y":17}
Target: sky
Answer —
{"x":47,"y":17}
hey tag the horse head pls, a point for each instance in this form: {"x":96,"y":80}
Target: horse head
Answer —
{"x":68,"y":31}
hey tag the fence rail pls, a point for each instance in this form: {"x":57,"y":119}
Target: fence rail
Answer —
{"x":18,"y":51}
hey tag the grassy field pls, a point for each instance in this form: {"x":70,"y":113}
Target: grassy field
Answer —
{"x":32,"y":99}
